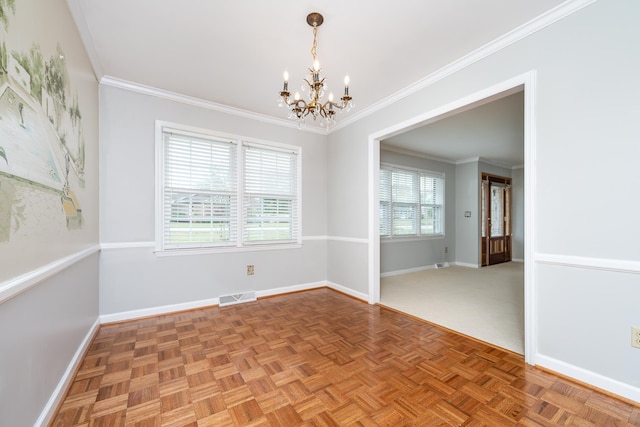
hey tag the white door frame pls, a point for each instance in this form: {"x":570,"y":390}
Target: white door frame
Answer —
{"x":526,"y":80}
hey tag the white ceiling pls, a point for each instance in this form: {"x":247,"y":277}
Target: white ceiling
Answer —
{"x":234,"y":52}
{"x":492,"y":130}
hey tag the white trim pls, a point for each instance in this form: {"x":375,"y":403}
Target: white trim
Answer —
{"x":126,"y":245}
{"x":494,"y":163}
{"x":401,"y":239}
{"x":348,"y":291}
{"x":374,"y":219}
{"x":408,"y":270}
{"x":202,"y":103}
{"x":226,"y":249}
{"x":527,"y":80}
{"x":191,"y":305}
{"x":151,"y":244}
{"x":347,"y":239}
{"x":311,"y":238}
{"x":606,"y":264}
{"x":17,"y":285}
{"x":403,"y":168}
{"x":563,"y":10}
{"x":159,"y":184}
{"x":465,"y":264}
{"x":400,"y":150}
{"x":59,"y":393}
{"x":155,"y":311}
{"x":75,"y":8}
{"x":289,"y":289}
{"x":530,"y":289}
{"x":592,"y":378}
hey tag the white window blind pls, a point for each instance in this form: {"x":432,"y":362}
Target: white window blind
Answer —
{"x":200,"y":196}
{"x":225,"y":192}
{"x":411,"y":202}
{"x":270,"y":194}
{"x":431,"y":204}
{"x":385,"y":202}
{"x":405,"y":197}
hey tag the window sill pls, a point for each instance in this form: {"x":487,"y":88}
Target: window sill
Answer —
{"x":224,"y":250}
{"x":410,"y":238}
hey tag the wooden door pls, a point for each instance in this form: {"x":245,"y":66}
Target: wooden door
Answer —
{"x":496,"y":219}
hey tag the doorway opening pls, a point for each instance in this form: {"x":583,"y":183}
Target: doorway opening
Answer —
{"x":525,"y":83}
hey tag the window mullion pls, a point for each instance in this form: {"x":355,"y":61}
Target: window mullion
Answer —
{"x":240,"y":194}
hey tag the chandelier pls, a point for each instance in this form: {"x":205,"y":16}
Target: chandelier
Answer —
{"x":315,"y":86}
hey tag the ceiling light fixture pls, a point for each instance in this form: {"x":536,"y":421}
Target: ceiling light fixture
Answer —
{"x":315,"y":86}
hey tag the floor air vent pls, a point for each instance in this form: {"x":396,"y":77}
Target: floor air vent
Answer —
{"x":237,"y":298}
{"x":442,"y":265}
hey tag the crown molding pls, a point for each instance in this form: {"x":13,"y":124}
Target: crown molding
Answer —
{"x":408,"y":152}
{"x":554,"y":15}
{"x":495,"y":163}
{"x":202,"y":103}
{"x":75,"y":8}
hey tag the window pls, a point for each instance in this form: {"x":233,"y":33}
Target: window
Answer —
{"x":411,"y":202}
{"x":225,"y":192}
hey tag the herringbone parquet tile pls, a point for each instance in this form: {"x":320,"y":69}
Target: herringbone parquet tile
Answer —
{"x":316,"y":358}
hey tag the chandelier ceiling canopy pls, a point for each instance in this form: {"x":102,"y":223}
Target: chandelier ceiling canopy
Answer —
{"x":315,"y":87}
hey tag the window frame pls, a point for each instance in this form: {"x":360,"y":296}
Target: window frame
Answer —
{"x":240,"y":141}
{"x":420,"y":204}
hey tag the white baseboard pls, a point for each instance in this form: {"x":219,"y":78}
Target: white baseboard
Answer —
{"x":465,"y":264}
{"x":408,"y":270}
{"x":155,"y":311}
{"x":600,"y":381}
{"x":348,"y":291}
{"x":58,"y":394}
{"x":289,"y":289}
{"x":172,"y":308}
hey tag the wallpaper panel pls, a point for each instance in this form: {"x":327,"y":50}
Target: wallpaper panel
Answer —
{"x":48,"y":137}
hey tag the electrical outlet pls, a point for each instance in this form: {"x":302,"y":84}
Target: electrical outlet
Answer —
{"x":249,"y":270}
{"x":635,"y":336}
{"x":446,"y":249}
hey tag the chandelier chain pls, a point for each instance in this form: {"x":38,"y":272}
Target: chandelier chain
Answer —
{"x":315,"y":42}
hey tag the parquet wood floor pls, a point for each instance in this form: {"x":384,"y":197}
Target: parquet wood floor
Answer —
{"x":316,"y":358}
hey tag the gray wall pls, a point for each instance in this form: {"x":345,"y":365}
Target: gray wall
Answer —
{"x":467,"y":228}
{"x":586,"y":115}
{"x":517,"y":214}
{"x":48,"y":272}
{"x":132,"y":277}
{"x":41,"y":330}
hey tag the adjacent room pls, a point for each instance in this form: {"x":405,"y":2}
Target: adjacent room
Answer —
{"x":426,"y":226}
{"x":319,"y":213}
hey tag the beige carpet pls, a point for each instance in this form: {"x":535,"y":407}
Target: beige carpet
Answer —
{"x":485,"y":303}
